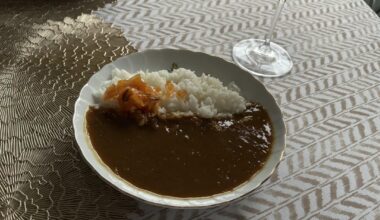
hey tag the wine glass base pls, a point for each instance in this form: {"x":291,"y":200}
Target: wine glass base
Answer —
{"x":279,"y":66}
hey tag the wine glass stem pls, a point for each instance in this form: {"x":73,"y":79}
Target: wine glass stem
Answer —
{"x":269,"y":36}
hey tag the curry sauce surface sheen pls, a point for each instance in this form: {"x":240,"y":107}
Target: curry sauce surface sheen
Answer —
{"x":185,"y":157}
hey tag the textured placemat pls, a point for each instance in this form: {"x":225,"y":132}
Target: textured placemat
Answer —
{"x":330,"y":100}
{"x":49,"y":49}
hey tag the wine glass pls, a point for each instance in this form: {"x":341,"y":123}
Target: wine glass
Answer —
{"x":263,"y":57}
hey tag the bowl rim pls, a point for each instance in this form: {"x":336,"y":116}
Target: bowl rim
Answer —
{"x":174,"y":202}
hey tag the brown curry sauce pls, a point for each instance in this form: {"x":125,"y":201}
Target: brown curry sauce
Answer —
{"x":183,"y":157}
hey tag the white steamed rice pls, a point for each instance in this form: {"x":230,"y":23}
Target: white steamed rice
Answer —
{"x":207,"y":96}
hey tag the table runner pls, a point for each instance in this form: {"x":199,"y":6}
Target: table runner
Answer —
{"x":330,"y":102}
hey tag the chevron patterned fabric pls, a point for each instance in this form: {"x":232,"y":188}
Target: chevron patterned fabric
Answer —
{"x":330,"y":100}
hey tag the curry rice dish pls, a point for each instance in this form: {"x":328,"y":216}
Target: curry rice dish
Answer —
{"x":178,"y":150}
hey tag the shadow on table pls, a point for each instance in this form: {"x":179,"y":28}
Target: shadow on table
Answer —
{"x":48,"y":52}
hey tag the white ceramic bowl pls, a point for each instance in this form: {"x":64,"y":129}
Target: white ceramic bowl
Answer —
{"x":153,"y":60}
